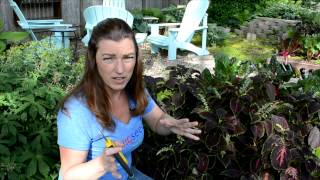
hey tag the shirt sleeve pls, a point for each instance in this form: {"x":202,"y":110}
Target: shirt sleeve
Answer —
{"x":72,"y":123}
{"x":151,"y":104}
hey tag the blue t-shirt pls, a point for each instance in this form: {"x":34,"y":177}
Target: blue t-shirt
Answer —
{"x":79,"y":129}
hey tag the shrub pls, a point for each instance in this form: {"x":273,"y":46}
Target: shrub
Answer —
{"x":33,"y":79}
{"x":282,"y":11}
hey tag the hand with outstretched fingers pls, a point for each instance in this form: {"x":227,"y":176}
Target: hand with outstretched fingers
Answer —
{"x":182,"y":127}
{"x":109,"y":161}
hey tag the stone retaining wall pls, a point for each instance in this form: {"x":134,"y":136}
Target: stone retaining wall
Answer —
{"x":264,"y":27}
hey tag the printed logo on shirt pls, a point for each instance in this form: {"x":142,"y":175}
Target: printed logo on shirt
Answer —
{"x":133,"y":137}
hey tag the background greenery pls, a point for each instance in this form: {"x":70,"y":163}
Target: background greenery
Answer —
{"x":33,"y":79}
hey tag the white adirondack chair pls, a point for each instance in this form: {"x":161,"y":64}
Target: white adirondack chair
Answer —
{"x":29,"y":25}
{"x":94,"y":14}
{"x":115,"y":3}
{"x":181,"y":37}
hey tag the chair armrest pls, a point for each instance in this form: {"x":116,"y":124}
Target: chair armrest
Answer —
{"x":45,"y":21}
{"x":45,"y":26}
{"x":201,"y":27}
{"x":174,"y":29}
{"x":155,"y":27}
{"x":164,"y":24}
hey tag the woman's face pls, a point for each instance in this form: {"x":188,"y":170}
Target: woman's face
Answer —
{"x":115,"y":62}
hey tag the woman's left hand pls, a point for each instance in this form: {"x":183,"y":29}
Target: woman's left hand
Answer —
{"x":182,"y":127}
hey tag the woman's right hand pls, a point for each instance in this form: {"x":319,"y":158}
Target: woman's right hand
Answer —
{"x":109,"y":161}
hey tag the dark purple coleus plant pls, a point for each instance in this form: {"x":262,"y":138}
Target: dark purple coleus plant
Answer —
{"x":250,"y":129}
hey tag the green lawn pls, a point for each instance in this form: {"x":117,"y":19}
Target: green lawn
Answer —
{"x":242,"y":49}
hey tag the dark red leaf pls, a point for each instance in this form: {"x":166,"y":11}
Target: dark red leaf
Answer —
{"x":271,"y":142}
{"x":268,"y":127}
{"x":279,"y":158}
{"x":203,"y":162}
{"x":258,"y":130}
{"x":279,"y":123}
{"x":234,"y":126}
{"x":235,"y":106}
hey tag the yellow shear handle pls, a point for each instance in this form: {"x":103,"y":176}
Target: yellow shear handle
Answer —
{"x":109,"y":144}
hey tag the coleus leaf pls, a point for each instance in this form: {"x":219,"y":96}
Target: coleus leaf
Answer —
{"x":235,"y":105}
{"x":213,"y":139}
{"x":234,"y":126}
{"x":172,"y":82}
{"x":314,"y":138}
{"x":279,"y":123}
{"x":280,"y":157}
{"x":296,"y":155}
{"x":183,"y":164}
{"x":203,"y":162}
{"x":177,"y":99}
{"x":271,"y":142}
{"x":210,"y":124}
{"x":203,"y":114}
{"x":258,"y":130}
{"x":268,"y":127}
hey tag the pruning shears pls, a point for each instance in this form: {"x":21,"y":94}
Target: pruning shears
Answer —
{"x":119,"y":156}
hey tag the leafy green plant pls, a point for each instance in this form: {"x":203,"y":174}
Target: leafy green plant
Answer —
{"x":6,"y":37}
{"x":28,"y":101}
{"x":252,"y":127}
{"x":216,"y":35}
{"x":154,"y":12}
{"x":282,"y":10}
{"x":139,"y":25}
{"x":173,"y":14}
{"x":311,"y":45}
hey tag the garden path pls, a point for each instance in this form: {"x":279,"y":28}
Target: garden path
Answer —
{"x":155,"y":65}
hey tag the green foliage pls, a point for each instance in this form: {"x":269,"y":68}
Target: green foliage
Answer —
{"x":311,"y":45}
{"x":6,"y":37}
{"x":282,"y":10}
{"x":251,"y":126}
{"x":231,"y":12}
{"x":216,"y":35}
{"x":310,"y":22}
{"x":173,"y":13}
{"x":139,"y":25}
{"x":311,"y":84}
{"x":34,"y":77}
{"x":154,"y":12}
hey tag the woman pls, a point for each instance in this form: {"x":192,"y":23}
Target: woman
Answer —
{"x":110,"y":102}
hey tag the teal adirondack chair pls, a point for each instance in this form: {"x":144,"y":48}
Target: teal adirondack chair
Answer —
{"x":194,"y":18}
{"x":29,"y":25}
{"x":115,"y":3}
{"x":94,"y":14}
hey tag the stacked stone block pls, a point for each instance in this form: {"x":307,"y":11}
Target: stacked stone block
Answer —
{"x":264,"y":27}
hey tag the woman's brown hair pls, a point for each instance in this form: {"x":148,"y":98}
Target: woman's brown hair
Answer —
{"x":92,"y":86}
